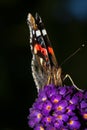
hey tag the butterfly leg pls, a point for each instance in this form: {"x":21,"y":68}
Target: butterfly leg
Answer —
{"x":68,"y":76}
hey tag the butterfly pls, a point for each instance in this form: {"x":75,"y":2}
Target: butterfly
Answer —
{"x":44,"y":66}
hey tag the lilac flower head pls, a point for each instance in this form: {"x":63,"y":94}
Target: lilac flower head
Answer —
{"x":59,"y":108}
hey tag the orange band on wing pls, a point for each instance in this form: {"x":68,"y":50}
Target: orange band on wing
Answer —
{"x":38,"y":47}
{"x":50,"y":50}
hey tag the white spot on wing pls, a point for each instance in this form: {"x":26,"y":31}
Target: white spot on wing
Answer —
{"x":41,"y":61}
{"x":38,"y":33}
{"x":44,"y":32}
{"x":33,"y":32}
{"x":31,"y":47}
{"x":34,"y":72}
{"x":35,"y":51}
{"x":30,"y":34}
{"x":28,"y":17}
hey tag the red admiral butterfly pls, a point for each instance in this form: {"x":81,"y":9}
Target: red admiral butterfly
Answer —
{"x":45,"y":69}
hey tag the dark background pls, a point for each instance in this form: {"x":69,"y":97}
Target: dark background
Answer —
{"x":66,"y":23}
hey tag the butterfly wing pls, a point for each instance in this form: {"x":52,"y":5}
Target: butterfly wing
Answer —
{"x":51,"y":55}
{"x":43,"y":59}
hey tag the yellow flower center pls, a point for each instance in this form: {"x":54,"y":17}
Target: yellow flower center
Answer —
{"x":59,"y":108}
{"x":39,"y":115}
{"x":48,"y":107}
{"x":48,"y":119}
{"x":59,"y":117}
{"x":85,"y":116}
{"x":44,"y":99}
{"x":41,"y":128}
{"x":55,"y":101}
{"x":71,"y":122}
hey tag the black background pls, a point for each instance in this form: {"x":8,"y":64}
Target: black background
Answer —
{"x":17,"y":88}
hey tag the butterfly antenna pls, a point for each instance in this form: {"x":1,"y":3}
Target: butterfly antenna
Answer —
{"x":74,"y":53}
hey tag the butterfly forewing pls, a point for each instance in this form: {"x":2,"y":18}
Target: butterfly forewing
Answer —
{"x":45,"y":69}
{"x":53,"y":61}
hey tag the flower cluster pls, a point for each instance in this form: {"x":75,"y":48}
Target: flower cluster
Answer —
{"x":59,"y":108}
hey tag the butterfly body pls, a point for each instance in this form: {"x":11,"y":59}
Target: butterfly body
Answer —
{"x":45,"y":69}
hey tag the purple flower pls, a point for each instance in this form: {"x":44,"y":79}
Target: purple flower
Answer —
{"x":83,"y":104}
{"x":58,"y":124}
{"x":74,"y":100}
{"x":85,"y":95}
{"x":42,"y":96}
{"x":50,"y":128}
{"x":74,"y":123}
{"x":62,"y":91}
{"x":84,"y":115}
{"x":70,"y":109}
{"x":55,"y":98}
{"x":62,"y":117}
{"x":59,"y":108}
{"x":47,"y":120}
{"x":38,"y":105}
{"x":47,"y":106}
{"x":50,"y":91}
{"x":39,"y":127}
